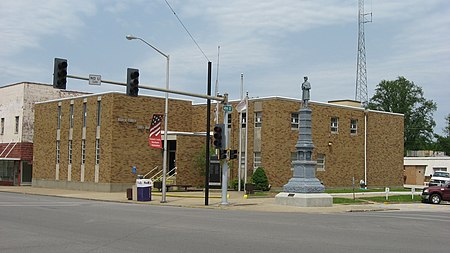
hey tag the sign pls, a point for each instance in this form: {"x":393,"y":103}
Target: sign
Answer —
{"x":154,"y":138}
{"x":95,"y":79}
{"x":228,"y":108}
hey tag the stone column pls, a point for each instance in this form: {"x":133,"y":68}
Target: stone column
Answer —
{"x":304,"y":189}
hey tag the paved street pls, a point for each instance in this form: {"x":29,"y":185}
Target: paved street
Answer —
{"x":34,"y":223}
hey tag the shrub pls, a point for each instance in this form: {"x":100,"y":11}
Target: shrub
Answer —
{"x":260,"y":179}
{"x":234,"y":184}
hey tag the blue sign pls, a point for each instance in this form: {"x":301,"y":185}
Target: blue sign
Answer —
{"x":133,"y":170}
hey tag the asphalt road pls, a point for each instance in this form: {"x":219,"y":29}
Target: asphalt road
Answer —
{"x":31,"y":223}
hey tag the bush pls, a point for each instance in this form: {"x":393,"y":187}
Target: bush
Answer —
{"x":234,"y":184}
{"x":260,"y":179}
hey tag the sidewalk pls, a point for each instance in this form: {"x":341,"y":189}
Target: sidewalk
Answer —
{"x":236,"y":200}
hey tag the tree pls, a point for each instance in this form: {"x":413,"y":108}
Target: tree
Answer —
{"x":443,"y":142}
{"x":260,"y":179}
{"x":200,"y":159}
{"x":403,"y":96}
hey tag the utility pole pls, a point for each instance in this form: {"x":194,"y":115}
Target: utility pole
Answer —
{"x":361,"y":71}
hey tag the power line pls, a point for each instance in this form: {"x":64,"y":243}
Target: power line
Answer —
{"x":186,"y":30}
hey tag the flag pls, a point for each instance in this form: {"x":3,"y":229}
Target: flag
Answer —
{"x":242,"y":105}
{"x":154,"y":138}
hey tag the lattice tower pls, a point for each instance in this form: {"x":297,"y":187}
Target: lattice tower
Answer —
{"x":361,"y":71}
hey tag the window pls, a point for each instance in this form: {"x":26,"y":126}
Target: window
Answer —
{"x":258,"y":119}
{"x":436,"y":169}
{"x":320,"y":166}
{"x":97,"y":151}
{"x":257,"y":160}
{"x":353,"y":126}
{"x":58,"y":151}
{"x":2,"y":126}
{"x":294,"y":121}
{"x":334,"y":125}
{"x":84,"y":114}
{"x":99,"y":111}
{"x":16,"y":130}
{"x":70,"y":151}
{"x":83,"y":151}
{"x":59,"y":117}
{"x":71,"y":116}
{"x":242,"y":160}
{"x":244,"y":120}
{"x":229,"y":121}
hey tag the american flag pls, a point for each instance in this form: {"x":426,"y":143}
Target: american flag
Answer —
{"x":154,"y":138}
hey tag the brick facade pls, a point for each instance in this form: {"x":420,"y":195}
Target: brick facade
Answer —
{"x":21,"y":150}
{"x":124,"y":143}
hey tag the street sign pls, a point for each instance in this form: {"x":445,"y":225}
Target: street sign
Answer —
{"x":95,"y":79}
{"x":228,"y":108}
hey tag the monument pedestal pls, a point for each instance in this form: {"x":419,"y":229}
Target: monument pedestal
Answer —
{"x":304,"y":199}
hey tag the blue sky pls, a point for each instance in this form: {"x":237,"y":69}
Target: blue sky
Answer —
{"x":273,"y":42}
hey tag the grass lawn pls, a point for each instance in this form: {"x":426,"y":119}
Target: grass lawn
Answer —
{"x":394,"y":199}
{"x":350,"y":190}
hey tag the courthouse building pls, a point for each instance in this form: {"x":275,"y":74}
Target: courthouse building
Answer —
{"x":92,"y":142}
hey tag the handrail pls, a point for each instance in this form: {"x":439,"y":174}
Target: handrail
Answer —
{"x":167,"y":177}
{"x":156,"y":177}
{"x":150,"y":171}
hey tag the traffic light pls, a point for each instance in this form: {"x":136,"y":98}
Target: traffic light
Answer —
{"x":223,"y":154}
{"x":219,"y":140}
{"x":233,"y":154}
{"x":132,"y":82}
{"x":60,"y":73}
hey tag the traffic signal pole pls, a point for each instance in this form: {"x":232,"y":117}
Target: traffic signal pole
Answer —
{"x":189,"y":94}
{"x":225,"y":162}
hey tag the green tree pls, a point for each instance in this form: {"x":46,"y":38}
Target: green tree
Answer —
{"x":200,"y":159}
{"x":403,"y":96}
{"x":260,"y":179}
{"x":443,"y":142}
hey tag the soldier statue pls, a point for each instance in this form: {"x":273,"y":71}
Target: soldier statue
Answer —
{"x":306,"y":86}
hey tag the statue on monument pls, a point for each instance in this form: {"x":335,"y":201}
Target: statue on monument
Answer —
{"x":306,"y":86}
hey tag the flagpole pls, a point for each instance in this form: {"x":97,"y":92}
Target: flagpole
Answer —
{"x":246,"y":140}
{"x":216,"y":88}
{"x":240,"y":137}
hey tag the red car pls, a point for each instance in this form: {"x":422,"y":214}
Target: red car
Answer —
{"x":434,"y":194}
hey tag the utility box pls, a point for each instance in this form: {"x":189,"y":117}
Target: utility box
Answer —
{"x":144,"y":189}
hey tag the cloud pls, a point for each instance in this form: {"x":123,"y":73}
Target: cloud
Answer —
{"x":24,"y":24}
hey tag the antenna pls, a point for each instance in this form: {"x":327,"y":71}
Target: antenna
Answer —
{"x":361,"y":71}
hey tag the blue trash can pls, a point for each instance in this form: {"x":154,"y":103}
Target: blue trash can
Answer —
{"x":144,"y":189}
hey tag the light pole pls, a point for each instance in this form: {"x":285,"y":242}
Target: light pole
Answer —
{"x":166,"y":109}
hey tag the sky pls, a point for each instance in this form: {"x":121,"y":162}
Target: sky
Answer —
{"x":274,"y":43}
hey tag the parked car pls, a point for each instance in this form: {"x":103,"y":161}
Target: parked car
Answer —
{"x":434,"y":194}
{"x":439,"y":178}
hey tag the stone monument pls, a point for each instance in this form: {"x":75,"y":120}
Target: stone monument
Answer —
{"x":304,"y":189}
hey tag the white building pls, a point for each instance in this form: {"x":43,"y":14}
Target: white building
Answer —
{"x":17,"y":125}
{"x":432,"y":163}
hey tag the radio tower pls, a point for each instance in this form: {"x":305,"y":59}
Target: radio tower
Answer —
{"x":361,"y":72}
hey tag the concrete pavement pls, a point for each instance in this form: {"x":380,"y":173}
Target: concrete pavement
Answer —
{"x":195,"y":199}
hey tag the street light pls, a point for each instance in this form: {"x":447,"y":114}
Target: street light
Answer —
{"x":166,"y":109}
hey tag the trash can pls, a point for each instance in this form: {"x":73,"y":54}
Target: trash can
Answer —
{"x":129,"y":193}
{"x":144,"y":189}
